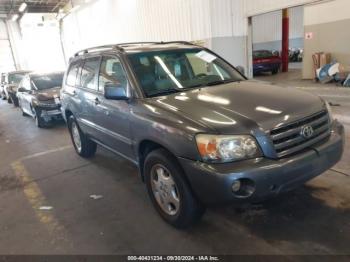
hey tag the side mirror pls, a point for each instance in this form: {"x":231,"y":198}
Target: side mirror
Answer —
{"x":240,"y":69}
{"x":22,"y":90}
{"x":115,"y":92}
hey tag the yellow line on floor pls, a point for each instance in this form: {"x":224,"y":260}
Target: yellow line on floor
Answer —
{"x":37,"y":199}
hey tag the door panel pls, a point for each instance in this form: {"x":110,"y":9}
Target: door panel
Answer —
{"x":112,"y":116}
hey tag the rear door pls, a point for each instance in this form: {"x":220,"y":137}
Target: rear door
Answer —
{"x":87,"y":94}
{"x":112,"y":116}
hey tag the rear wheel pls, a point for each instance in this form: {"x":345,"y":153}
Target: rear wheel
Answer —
{"x":82,"y":144}
{"x":169,"y":190}
{"x":275,"y":71}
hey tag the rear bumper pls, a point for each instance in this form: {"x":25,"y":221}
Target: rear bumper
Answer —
{"x":265,"y":67}
{"x":212,"y":183}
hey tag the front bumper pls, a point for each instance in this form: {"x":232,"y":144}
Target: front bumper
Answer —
{"x":49,"y":114}
{"x":212,"y":183}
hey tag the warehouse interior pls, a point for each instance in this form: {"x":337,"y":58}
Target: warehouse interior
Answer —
{"x":57,"y":201}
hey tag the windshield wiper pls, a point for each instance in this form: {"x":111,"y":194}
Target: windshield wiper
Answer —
{"x":219,"y":82}
{"x":165,"y":92}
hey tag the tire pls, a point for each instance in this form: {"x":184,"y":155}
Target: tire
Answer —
{"x":183,"y":209}
{"x":275,"y":71}
{"x":9,"y":100}
{"x":39,"y":122}
{"x":87,"y":147}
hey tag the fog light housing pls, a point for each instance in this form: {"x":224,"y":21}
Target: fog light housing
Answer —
{"x":236,"y":186}
{"x":243,"y":188}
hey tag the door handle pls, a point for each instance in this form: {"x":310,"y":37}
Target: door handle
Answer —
{"x":97,"y":101}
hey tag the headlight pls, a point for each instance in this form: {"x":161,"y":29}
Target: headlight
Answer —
{"x":329,"y":109}
{"x":217,"y":148}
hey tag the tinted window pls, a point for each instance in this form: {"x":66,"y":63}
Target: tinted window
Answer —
{"x":169,"y":71}
{"x":111,"y":72}
{"x":88,"y":73}
{"x":47,"y":81}
{"x":72,"y":74}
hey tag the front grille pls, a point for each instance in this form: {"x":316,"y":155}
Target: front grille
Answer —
{"x":288,"y":139}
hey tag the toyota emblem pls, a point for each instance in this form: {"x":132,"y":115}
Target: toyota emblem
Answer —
{"x":307,"y":132}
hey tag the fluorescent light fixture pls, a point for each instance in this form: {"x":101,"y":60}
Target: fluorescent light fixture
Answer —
{"x":14,"y":17}
{"x":22,"y":7}
{"x":74,"y":8}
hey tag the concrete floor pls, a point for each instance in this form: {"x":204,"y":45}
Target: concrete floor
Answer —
{"x":39,"y":168}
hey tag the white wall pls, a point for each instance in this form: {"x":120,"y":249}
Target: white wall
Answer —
{"x":6,"y":57}
{"x":41,"y":44}
{"x":329,"y":24}
{"x":330,"y":11}
{"x":268,"y":27}
{"x":223,"y":23}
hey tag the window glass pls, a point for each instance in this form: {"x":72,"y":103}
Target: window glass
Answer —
{"x":42,"y":82}
{"x":111,"y":72}
{"x":171,"y":71}
{"x":26,"y":84}
{"x":72,"y":74}
{"x":262,"y":54}
{"x":88,"y":73}
{"x":15,"y":78}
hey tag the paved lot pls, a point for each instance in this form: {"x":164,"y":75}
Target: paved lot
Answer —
{"x":38,"y":168}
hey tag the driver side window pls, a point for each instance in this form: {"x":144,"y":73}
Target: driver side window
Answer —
{"x":111,"y":72}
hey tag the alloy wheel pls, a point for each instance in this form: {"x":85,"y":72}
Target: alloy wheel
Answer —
{"x":165,"y":190}
{"x":76,"y":136}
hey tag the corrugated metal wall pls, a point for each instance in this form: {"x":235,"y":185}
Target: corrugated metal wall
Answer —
{"x":268,"y":27}
{"x":113,"y":21}
{"x":6,"y":57}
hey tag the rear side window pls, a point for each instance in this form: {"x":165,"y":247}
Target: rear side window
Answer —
{"x":72,"y":74}
{"x":89,"y":73}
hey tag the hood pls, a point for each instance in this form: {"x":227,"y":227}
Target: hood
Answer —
{"x":241,"y":107}
{"x":48,"y":94}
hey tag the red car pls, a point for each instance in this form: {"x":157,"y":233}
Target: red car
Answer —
{"x":266,"y":61}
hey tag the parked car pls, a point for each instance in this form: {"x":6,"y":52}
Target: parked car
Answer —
{"x":2,"y":85}
{"x":265,"y":61}
{"x":200,"y":133}
{"x":39,"y":96}
{"x":10,"y":88}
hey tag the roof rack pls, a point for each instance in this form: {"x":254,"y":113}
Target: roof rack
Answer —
{"x":97,"y":48}
{"x":120,"y":46}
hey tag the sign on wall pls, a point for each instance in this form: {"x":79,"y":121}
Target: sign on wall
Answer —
{"x":309,"y":35}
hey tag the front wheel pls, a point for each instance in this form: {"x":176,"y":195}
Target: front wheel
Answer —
{"x":169,"y":190}
{"x":82,"y":144}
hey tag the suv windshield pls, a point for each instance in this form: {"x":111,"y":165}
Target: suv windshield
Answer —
{"x":15,"y":78}
{"x":170,"y":71}
{"x":47,"y":81}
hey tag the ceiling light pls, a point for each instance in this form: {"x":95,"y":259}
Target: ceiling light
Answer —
{"x":22,"y":7}
{"x":15,"y":17}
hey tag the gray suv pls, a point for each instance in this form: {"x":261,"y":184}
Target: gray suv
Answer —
{"x":200,"y":133}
